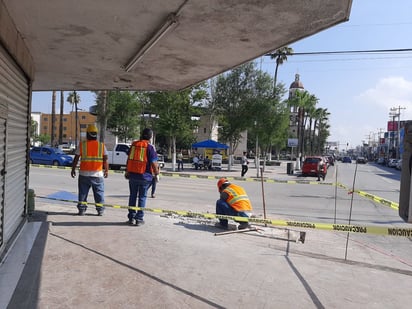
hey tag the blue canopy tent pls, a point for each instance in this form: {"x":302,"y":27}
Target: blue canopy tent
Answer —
{"x":209,"y":143}
{"x":216,"y":162}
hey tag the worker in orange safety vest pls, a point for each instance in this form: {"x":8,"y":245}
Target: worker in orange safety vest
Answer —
{"x":93,"y":168}
{"x":233,"y":201}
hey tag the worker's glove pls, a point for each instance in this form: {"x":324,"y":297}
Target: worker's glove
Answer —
{"x":126,"y":175}
{"x":157,"y":177}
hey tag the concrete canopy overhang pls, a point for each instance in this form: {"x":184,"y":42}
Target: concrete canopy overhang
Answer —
{"x":87,"y":44}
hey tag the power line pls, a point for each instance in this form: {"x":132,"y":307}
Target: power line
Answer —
{"x":370,"y":51}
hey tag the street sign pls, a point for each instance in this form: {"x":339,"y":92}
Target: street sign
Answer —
{"x":292,"y":142}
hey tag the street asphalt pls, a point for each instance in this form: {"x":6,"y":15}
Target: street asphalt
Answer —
{"x":61,"y":260}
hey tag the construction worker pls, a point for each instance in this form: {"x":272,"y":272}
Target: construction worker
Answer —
{"x":233,"y":202}
{"x":93,"y":167}
{"x":141,"y":167}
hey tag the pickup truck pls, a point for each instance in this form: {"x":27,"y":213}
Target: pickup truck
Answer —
{"x":118,"y":157}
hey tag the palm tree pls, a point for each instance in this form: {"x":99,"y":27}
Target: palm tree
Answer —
{"x":308,"y":106}
{"x":74,"y":99}
{"x":61,"y":117}
{"x":322,"y":129}
{"x":53,"y":120}
{"x":305,"y":102}
{"x":281,"y":55}
{"x":320,"y":116}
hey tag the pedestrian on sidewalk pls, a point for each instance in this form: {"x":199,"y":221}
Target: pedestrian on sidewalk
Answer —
{"x":196,"y":162}
{"x":93,"y":168}
{"x":233,"y":201}
{"x":141,"y":167}
{"x":179,"y":160}
{"x":245,"y":163}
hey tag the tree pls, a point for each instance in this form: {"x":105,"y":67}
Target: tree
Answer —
{"x":305,"y":101}
{"x":43,"y":139}
{"x":173,"y":113}
{"x":322,"y":127}
{"x":316,"y":116}
{"x":281,"y":55}
{"x":268,"y":112}
{"x":241,"y":99}
{"x":53,"y":120}
{"x":61,"y":117}
{"x":123,"y":112}
{"x":103,"y":112}
{"x":33,"y":130}
{"x":74,"y":99}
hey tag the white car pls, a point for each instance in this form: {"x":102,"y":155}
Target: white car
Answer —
{"x":67,"y":148}
{"x":161,"y":161}
{"x":399,"y":164}
{"x":392,"y":162}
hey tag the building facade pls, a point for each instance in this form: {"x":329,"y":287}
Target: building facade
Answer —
{"x":68,"y":127}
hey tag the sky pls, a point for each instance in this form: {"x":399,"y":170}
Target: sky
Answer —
{"x":358,"y":89}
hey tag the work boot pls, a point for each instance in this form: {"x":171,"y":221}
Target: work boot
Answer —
{"x":243,"y":225}
{"x":131,"y":222}
{"x":222,"y":225}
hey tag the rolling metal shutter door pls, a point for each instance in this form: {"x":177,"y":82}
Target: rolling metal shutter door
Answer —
{"x":3,"y":113}
{"x":14,"y":95}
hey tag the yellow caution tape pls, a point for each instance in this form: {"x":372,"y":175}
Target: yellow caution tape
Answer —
{"x":373,"y":197}
{"x":356,"y":229}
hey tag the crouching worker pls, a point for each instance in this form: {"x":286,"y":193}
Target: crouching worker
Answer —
{"x":233,"y":202}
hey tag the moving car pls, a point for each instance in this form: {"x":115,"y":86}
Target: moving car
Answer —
{"x":361,"y":160}
{"x":346,"y":160}
{"x":50,"y":156}
{"x":313,"y":165}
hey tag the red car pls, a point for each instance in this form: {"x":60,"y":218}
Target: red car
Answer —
{"x":314,"y":165}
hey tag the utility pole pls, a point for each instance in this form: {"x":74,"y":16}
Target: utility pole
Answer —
{"x":396,"y":112}
{"x":369,"y":157}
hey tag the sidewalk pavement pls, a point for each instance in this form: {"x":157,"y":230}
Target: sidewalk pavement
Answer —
{"x":70,"y":261}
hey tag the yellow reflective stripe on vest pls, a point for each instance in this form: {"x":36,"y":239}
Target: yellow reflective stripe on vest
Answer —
{"x":235,"y":197}
{"x":141,"y":155}
{"x":88,"y":158}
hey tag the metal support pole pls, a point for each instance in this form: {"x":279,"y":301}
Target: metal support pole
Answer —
{"x":257,"y":156}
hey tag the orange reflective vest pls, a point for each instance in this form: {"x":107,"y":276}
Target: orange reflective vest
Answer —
{"x":137,"y":159}
{"x":237,"y":198}
{"x":91,"y":153}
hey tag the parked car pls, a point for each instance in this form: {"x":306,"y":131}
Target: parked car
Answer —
{"x":313,"y":164}
{"x":68,"y":148}
{"x":392,"y":162}
{"x":346,"y":160}
{"x":399,"y":165}
{"x":381,"y":161}
{"x":161,"y":160}
{"x":118,"y":157}
{"x":361,"y":160}
{"x":50,"y":156}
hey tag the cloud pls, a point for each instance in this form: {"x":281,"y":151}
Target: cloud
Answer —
{"x":389,"y":92}
{"x":367,"y":113}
